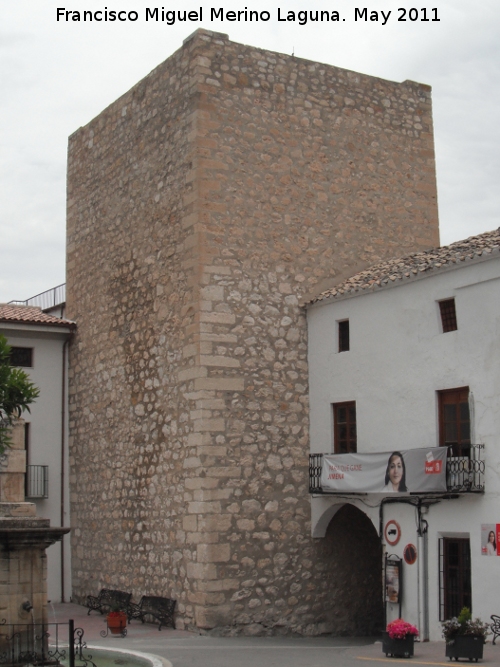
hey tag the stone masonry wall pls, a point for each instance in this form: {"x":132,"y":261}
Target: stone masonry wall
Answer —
{"x":204,"y":205}
{"x":130,"y":277}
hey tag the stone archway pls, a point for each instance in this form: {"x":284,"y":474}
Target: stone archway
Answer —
{"x":352,"y":598}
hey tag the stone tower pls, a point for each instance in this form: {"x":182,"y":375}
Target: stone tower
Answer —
{"x":203,"y":205}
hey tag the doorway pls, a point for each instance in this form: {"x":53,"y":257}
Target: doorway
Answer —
{"x":455,"y":588}
{"x":351,"y":549}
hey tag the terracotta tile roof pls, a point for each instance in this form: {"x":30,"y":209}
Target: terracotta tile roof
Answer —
{"x":30,"y":315}
{"x":416,"y":265}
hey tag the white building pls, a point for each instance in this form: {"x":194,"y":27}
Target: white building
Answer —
{"x":406,"y":355}
{"x":39,"y":344}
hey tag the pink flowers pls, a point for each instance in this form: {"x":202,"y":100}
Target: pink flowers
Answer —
{"x":398,"y":629}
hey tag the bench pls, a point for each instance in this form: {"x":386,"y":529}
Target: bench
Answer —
{"x":162,"y":609}
{"x":495,"y":627}
{"x":108,"y":600}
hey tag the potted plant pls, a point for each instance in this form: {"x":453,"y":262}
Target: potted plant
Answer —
{"x":398,"y":638}
{"x":116,"y":620}
{"x":464,"y":636}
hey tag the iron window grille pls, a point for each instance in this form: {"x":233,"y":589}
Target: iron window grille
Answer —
{"x":21,"y":357}
{"x":448,"y":315}
{"x":454,"y":577}
{"x":37,"y":482}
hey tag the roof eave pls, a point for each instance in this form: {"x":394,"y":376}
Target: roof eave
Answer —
{"x":46,"y":327}
{"x":420,"y":275}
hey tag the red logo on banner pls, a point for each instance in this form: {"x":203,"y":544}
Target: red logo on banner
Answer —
{"x":433,"y":467}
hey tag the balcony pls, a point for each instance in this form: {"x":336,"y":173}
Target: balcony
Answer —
{"x":37,"y":482}
{"x":464,"y":472}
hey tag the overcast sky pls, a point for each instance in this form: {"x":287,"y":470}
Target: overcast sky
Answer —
{"x":57,"y":75}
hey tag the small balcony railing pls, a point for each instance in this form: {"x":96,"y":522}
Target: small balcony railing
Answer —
{"x":465,"y":469}
{"x":37,"y":482}
{"x":464,"y":473}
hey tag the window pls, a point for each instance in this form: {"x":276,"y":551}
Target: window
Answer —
{"x":21,"y":356}
{"x":344,"y":336}
{"x":344,"y":426}
{"x":455,"y":589}
{"x":454,"y":420}
{"x":448,"y":315}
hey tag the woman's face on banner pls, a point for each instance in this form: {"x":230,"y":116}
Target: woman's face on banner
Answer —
{"x":491,"y":536}
{"x":395,"y":470}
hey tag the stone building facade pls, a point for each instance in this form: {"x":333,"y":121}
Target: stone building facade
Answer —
{"x":203,"y":206}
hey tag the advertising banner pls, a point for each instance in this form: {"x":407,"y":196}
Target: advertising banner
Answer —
{"x":404,"y":471}
{"x":490,"y":537}
{"x":392,"y":580}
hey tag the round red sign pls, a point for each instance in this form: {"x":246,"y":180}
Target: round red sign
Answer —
{"x":392,"y":532}
{"x":410,"y":554}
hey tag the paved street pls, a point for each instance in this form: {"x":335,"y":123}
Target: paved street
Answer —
{"x":186,"y":649}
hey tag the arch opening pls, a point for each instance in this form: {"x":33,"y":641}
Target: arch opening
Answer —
{"x":352,"y":554}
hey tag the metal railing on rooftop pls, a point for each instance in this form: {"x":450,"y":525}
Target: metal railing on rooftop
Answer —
{"x":45,"y":300}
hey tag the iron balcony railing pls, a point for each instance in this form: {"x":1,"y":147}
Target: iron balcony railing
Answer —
{"x":37,"y":482}
{"x":51,"y":298}
{"x":464,"y":473}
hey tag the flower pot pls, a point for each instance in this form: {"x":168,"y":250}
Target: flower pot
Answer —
{"x":465,"y":646}
{"x":398,"y":648}
{"x":117,"y":620}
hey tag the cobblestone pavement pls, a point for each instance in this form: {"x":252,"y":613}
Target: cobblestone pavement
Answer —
{"x":178,"y":648}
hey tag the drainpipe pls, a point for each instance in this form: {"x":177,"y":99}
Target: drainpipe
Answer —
{"x":420,"y":579}
{"x":423,"y":561}
{"x":63,"y":459}
{"x":381,"y":535}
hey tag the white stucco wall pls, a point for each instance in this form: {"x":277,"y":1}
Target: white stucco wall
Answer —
{"x":45,"y":421}
{"x":398,"y":360}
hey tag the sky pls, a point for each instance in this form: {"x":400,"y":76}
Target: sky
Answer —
{"x":56,"y":75}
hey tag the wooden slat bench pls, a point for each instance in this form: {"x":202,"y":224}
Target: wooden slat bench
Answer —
{"x":162,"y":609}
{"x":107,"y":600}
